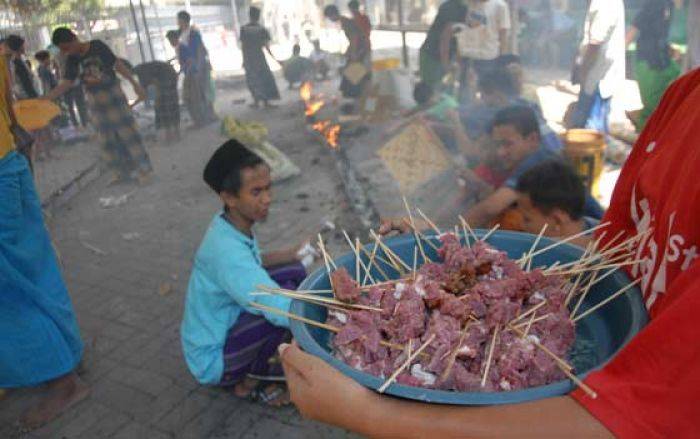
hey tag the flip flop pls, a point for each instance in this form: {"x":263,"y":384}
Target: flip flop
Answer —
{"x":269,"y":396}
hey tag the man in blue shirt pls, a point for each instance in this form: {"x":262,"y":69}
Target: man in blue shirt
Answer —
{"x":516,"y":134}
{"x":552,"y":193}
{"x":225,"y":340}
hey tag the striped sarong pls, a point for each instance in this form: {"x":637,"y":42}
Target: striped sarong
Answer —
{"x":251,"y":344}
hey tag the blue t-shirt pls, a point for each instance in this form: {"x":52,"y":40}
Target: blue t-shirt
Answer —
{"x":227,"y":268}
{"x":591,"y":209}
{"x":543,"y":154}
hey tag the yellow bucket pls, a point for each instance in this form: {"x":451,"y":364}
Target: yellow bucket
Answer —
{"x":386,"y":64}
{"x":585,"y":150}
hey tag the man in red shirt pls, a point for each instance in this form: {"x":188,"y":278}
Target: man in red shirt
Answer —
{"x":651,"y":388}
{"x":361,"y":20}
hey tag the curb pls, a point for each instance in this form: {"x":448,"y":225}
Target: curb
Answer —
{"x":60,"y":197}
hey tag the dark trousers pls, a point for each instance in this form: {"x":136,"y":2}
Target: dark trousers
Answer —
{"x":75,"y":97}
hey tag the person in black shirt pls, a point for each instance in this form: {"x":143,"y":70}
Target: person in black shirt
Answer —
{"x":24,"y":84}
{"x":255,"y":41}
{"x":46,"y":75}
{"x":439,"y":45}
{"x":163,"y":78}
{"x":654,"y":68}
{"x":94,"y":63}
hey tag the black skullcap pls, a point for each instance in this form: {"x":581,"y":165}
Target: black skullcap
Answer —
{"x":229,"y":158}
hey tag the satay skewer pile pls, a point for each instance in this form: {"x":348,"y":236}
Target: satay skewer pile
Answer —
{"x":595,"y":264}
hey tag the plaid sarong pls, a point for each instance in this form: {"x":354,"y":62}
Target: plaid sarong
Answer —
{"x":116,"y":126}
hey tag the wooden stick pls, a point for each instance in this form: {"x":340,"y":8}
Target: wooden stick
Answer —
{"x":415,"y":262}
{"x":551,"y":354}
{"x":532,"y":321}
{"x":583,"y":294}
{"x":534,"y":246}
{"x":490,"y":232}
{"x":488,"y":360}
{"x":453,"y":354}
{"x":466,"y":235}
{"x":370,"y":261}
{"x":425,"y":238}
{"x":316,"y":299}
{"x":429,"y":221}
{"x":390,"y":260}
{"x":308,"y":321}
{"x":529,"y":311}
{"x":570,"y":238}
{"x":372,"y":258}
{"x":604,"y":302}
{"x":564,"y":367}
{"x":415,"y":232}
{"x":406,"y":363}
{"x":528,"y":324}
{"x":390,"y":252}
{"x":597,"y":268}
{"x":466,"y":226}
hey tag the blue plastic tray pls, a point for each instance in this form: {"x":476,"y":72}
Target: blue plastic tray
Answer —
{"x":600,"y":335}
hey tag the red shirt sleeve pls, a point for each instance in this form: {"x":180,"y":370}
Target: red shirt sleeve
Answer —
{"x":651,"y":388}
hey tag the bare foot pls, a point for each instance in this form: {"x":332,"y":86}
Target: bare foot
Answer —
{"x":245,"y":388}
{"x":62,"y":393}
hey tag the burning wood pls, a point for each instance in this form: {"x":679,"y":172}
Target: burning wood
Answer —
{"x":330,"y":131}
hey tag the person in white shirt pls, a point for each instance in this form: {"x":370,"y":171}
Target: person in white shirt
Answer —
{"x":601,"y":67}
{"x":481,"y":39}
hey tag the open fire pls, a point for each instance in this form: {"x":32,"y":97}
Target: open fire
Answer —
{"x":330,"y":131}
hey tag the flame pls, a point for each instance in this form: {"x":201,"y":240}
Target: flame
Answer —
{"x":321,"y":126}
{"x":332,"y":135}
{"x":305,"y":91}
{"x":313,"y":105}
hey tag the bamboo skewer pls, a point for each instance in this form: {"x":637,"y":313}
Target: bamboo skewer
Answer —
{"x":490,"y":232}
{"x":370,"y":261}
{"x":415,"y":262}
{"x":490,"y":357}
{"x":534,"y":246}
{"x":604,"y":302}
{"x":309,"y":298}
{"x":569,"y":239}
{"x":312,"y":322}
{"x":532,"y":320}
{"x":529,"y":311}
{"x":390,"y":261}
{"x":565,"y":367}
{"x":429,"y":221}
{"x":390,"y":252}
{"x":453,"y":354}
{"x":421,"y":235}
{"x":407,"y":363}
{"x":415,"y":231}
{"x":466,"y":226}
{"x":372,"y":258}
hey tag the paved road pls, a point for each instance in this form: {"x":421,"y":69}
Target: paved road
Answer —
{"x":127,"y":270}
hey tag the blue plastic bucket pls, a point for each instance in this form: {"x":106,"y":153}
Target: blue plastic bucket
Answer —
{"x":599,"y":336}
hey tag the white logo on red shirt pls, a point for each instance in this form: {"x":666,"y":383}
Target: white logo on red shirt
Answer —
{"x":654,"y":281}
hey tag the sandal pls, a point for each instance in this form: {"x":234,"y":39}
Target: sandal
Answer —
{"x":272,"y":395}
